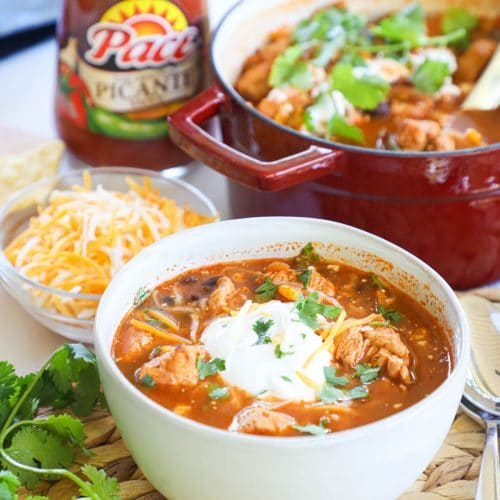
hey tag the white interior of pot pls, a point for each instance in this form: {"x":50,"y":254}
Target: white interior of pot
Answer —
{"x":248,"y":25}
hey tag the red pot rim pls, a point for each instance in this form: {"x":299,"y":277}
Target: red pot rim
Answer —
{"x":318,"y":140}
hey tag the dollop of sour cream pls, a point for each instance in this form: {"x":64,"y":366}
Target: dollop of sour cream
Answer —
{"x":265,"y":369}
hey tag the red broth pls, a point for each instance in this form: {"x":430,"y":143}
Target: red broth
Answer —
{"x":406,"y":349}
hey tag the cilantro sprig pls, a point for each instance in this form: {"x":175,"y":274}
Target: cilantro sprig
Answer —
{"x":266,"y":291}
{"x":430,"y":76}
{"x":308,"y":309}
{"x":313,"y":429}
{"x":389,"y":314}
{"x":334,"y":389}
{"x":261,"y":327}
{"x":208,"y":368}
{"x":288,"y":69}
{"x":34,"y":448}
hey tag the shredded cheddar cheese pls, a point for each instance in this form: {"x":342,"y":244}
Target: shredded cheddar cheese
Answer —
{"x":84,"y":236}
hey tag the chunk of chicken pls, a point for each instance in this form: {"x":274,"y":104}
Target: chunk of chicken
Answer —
{"x":416,"y":134}
{"x":134,"y":343}
{"x":219,"y":298}
{"x":253,"y":83}
{"x":409,"y":102}
{"x":175,"y":367}
{"x":382,"y":347}
{"x":472,"y":62}
{"x":280,"y":272}
{"x":260,"y":420}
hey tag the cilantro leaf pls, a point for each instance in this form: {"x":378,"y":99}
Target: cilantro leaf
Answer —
{"x":216,"y":392}
{"x":207,"y":368}
{"x":37,"y":448}
{"x":99,"y":486}
{"x":279,"y":353}
{"x":308,"y":252}
{"x":8,"y":380}
{"x":366,"y":373}
{"x":330,"y":394}
{"x":261,"y":327}
{"x":406,"y":25}
{"x":389,"y":314}
{"x":9,"y":483}
{"x":332,"y":378}
{"x":305,"y":276}
{"x":287,"y":69}
{"x":362,"y":89}
{"x":266,"y":291}
{"x":357,"y":392}
{"x":308,"y":309}
{"x":141,"y":296}
{"x":285,"y":378}
{"x":456,"y":18}
{"x":315,"y":430}
{"x":430,"y":75}
{"x":381,"y":285}
{"x":339,"y":127}
{"x":147,"y":381}
{"x":72,"y":380}
{"x":66,"y":427}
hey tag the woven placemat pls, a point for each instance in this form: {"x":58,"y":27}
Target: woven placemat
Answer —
{"x":452,"y":475}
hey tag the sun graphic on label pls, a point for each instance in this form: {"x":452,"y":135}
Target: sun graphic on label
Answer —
{"x":147,"y":17}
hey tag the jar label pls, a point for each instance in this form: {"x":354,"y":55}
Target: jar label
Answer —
{"x":141,"y":62}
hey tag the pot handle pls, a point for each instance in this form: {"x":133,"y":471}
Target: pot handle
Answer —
{"x":185,"y":131}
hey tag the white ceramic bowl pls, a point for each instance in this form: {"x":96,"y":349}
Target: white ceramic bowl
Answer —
{"x":186,"y":460}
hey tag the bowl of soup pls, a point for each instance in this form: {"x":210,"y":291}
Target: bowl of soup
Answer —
{"x":353,"y":112}
{"x":281,"y":358}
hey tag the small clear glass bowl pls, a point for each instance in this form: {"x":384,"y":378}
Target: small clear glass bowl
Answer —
{"x":14,"y":218}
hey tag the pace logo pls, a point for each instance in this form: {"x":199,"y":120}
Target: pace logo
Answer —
{"x":137,"y":34}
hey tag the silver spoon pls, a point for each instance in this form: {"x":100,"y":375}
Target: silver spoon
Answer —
{"x":481,"y":399}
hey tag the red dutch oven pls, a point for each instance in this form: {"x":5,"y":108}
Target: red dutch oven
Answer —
{"x":442,"y":206}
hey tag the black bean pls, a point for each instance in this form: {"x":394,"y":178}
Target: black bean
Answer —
{"x":194,"y":297}
{"x":188,"y":280}
{"x":211,"y":282}
{"x":167,"y":300}
{"x":381,"y":110}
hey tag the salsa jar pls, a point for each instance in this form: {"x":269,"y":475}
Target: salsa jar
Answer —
{"x":123,"y":67}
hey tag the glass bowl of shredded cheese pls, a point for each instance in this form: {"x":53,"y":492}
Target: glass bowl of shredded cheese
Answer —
{"x":64,"y":238}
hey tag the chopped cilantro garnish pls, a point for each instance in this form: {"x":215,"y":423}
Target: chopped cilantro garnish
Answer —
{"x":305,"y":276}
{"x":217,"y":392}
{"x":288,"y":69}
{"x":406,"y":25}
{"x":366,"y":373}
{"x":430,"y":75}
{"x":339,"y":127}
{"x":457,"y":18}
{"x":261,"y":327}
{"x":308,"y":309}
{"x":285,"y":378}
{"x":315,"y":430}
{"x":332,"y":378}
{"x":141,"y":296}
{"x":279,"y":353}
{"x":389,"y":314}
{"x":361,"y":88}
{"x":330,"y":394}
{"x":207,"y":368}
{"x":266,"y":291}
{"x":147,"y":380}
{"x":262,"y":392}
{"x":357,"y":392}
{"x":381,"y":285}
{"x":308,"y":252}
